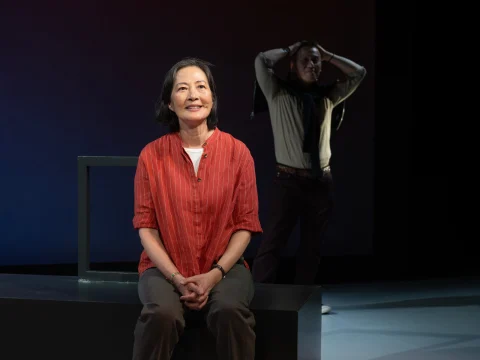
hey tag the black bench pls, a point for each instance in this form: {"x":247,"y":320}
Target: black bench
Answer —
{"x":64,"y":318}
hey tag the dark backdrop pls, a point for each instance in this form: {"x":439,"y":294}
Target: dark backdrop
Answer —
{"x":81,"y":78}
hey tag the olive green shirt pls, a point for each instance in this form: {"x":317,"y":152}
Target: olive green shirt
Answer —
{"x":286,"y":114}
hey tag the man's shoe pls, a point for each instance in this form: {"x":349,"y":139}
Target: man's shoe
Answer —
{"x":326,"y":309}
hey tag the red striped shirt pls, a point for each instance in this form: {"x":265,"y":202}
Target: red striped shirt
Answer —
{"x":195,"y":214}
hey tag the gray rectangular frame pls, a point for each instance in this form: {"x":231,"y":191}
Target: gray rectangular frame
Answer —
{"x":84,"y":163}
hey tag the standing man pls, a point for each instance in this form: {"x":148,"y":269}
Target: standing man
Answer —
{"x":301,"y":114}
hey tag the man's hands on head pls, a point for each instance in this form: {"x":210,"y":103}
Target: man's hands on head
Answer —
{"x":326,"y":55}
{"x":294,"y":47}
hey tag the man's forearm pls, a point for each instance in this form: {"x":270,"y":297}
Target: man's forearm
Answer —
{"x":345,"y":65}
{"x":155,"y":250}
{"x":274,"y":55}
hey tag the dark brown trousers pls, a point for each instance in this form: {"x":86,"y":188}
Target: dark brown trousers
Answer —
{"x":227,"y":314}
{"x":294,"y":198}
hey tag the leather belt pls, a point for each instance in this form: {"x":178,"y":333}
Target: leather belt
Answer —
{"x":306,"y":173}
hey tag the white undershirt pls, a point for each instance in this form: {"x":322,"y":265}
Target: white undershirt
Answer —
{"x":195,"y":155}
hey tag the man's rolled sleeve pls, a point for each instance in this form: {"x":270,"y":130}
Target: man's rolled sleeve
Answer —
{"x":342,"y":90}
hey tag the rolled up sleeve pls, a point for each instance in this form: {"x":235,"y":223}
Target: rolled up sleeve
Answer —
{"x":342,"y":90}
{"x":245,"y":214}
{"x":266,"y":77}
{"x":144,"y":210}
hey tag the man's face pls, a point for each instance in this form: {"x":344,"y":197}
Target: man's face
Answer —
{"x":308,"y":64}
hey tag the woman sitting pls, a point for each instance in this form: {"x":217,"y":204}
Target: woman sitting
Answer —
{"x":196,"y":208}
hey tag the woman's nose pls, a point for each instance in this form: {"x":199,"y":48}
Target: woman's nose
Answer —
{"x":192,"y":95}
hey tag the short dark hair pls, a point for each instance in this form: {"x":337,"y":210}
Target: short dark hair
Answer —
{"x":305,"y":43}
{"x":166,"y":116}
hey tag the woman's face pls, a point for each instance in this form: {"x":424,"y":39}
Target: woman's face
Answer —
{"x":191,"y":97}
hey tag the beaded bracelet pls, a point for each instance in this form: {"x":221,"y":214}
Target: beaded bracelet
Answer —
{"x":219,"y":267}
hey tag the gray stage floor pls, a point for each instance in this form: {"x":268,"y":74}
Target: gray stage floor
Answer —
{"x":418,"y":320}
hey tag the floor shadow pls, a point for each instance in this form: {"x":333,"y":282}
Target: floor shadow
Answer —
{"x":452,"y":301}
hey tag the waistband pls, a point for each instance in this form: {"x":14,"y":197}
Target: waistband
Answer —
{"x":306,"y":173}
